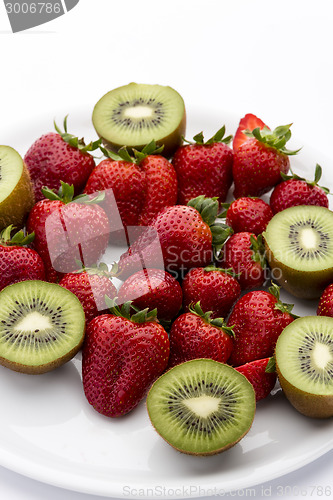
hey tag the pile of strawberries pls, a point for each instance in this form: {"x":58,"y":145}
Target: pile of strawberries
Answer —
{"x":193,"y":276}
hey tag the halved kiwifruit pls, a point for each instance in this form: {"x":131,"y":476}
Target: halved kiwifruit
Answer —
{"x":299,"y":249}
{"x":304,"y":363}
{"x":201,"y":407}
{"x":42,"y":326}
{"x":16,"y":193}
{"x":133,"y":115}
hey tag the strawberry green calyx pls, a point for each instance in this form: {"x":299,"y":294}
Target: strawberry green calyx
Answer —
{"x":19,"y":239}
{"x":281,"y":306}
{"x":229,"y":271}
{"x":208,"y":209}
{"x":206,"y":316}
{"x":124,"y":155}
{"x":101,"y":269}
{"x":218,"y":137}
{"x":75,"y":142}
{"x":271,"y":365}
{"x":258,"y":249}
{"x":317,"y":177}
{"x":276,"y":139}
{"x":66,"y":195}
{"x":124,"y":311}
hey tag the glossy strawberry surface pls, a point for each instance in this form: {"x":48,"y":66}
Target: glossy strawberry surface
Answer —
{"x":19,"y":264}
{"x":203,"y":169}
{"x":295,"y":192}
{"x":51,"y":160}
{"x":263,"y":382}
{"x":257,"y":168}
{"x":140,"y":190}
{"x":120,"y":361}
{"x":90,"y":289}
{"x":248,"y":122}
{"x":239,"y":255}
{"x":178,"y":239}
{"x":193,"y":337}
{"x":216,"y":290}
{"x":153,"y":288}
{"x":249,"y":215}
{"x":67,"y":233}
{"x":257,"y":324}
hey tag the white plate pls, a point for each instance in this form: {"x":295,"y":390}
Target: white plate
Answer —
{"x":49,"y":432}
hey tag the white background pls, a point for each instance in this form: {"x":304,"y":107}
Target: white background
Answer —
{"x":270,"y":58}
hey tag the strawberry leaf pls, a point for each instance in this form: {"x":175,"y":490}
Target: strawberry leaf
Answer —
{"x":276,"y":139}
{"x":18,"y":239}
{"x":217,"y":137}
{"x":74,"y":141}
{"x":271,"y":365}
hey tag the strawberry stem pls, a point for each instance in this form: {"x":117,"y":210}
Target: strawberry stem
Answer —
{"x":74,"y":141}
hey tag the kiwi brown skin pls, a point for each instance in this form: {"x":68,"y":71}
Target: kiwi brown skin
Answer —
{"x":301,"y":284}
{"x":15,"y":208}
{"x":171,"y":143}
{"x":310,"y":405}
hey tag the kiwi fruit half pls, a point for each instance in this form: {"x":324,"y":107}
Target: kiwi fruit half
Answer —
{"x":41,"y":326}
{"x":16,"y":193}
{"x":299,"y":249}
{"x":201,"y":407}
{"x":136,"y":114}
{"x":304,"y":363}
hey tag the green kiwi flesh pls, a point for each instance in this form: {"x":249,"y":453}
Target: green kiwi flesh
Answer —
{"x":16,"y":193}
{"x":42,"y":326}
{"x":133,"y":115}
{"x":201,"y":407}
{"x":304,"y":363}
{"x":299,"y":249}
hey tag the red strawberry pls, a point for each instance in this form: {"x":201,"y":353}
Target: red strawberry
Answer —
{"x":204,"y":168}
{"x":248,"y":122}
{"x":142,"y":186}
{"x":216,"y":289}
{"x":262,"y":375}
{"x":179,"y":238}
{"x":68,"y":230}
{"x":295,"y":190}
{"x":196,"y":335}
{"x":153,"y":288}
{"x":325,"y":306}
{"x":257,"y":320}
{"x":258,"y":162}
{"x":244,"y":253}
{"x":18,"y":263}
{"x":121,"y":357}
{"x":248,"y":215}
{"x":60,"y":156}
{"x":90,"y":286}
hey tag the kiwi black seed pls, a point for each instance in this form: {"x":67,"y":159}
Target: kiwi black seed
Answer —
{"x":42,"y":326}
{"x":304,"y":362}
{"x":16,"y":193}
{"x":201,"y":407}
{"x":299,"y":249}
{"x":133,"y":115}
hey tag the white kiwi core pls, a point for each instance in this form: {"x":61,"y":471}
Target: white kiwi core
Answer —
{"x":203,"y":406}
